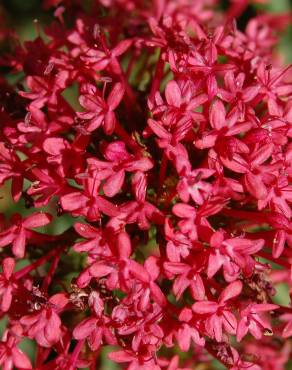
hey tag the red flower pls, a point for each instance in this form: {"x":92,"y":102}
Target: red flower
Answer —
{"x":11,"y":168}
{"x":99,"y":112}
{"x":95,"y":328}
{"x":254,"y":321}
{"x":10,"y":355}
{"x":7,"y":283}
{"x":45,"y":326}
{"x":21,"y":229}
{"x":219,"y":315}
{"x":88,"y":203}
{"x":119,"y":161}
{"x":232,"y":254}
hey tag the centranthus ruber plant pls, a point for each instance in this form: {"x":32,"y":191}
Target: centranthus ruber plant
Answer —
{"x":145,"y":149}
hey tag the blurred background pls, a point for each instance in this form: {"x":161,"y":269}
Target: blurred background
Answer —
{"x":21,"y":15}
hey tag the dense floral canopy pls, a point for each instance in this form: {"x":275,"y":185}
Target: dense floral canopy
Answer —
{"x":162,"y":133}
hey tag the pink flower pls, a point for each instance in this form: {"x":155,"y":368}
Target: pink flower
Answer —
{"x":7,"y":283}
{"x":45,"y":326}
{"x":96,"y":241}
{"x":188,"y":277}
{"x":254,"y":321}
{"x":178,"y":244}
{"x":88,"y":203}
{"x":10,"y":355}
{"x":47,"y":184}
{"x":192,"y":185}
{"x":114,"y":170}
{"x":188,"y":331}
{"x":95,"y":328}
{"x":137,"y":362}
{"x":169,"y":140}
{"x":21,"y":230}
{"x":239,"y":364}
{"x":66,"y":156}
{"x":104,"y":58}
{"x":233,"y":254}
{"x":219,"y":315}
{"x":11,"y":168}
{"x":207,"y":66}
{"x":224,"y":127}
{"x":98,"y":111}
{"x":138,"y":211}
{"x":235,"y":94}
{"x":181,"y":101}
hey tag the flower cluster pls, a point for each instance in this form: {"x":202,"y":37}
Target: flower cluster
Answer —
{"x":159,"y":134}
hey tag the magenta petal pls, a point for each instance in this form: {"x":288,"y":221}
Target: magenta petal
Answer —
{"x":8,"y":265}
{"x":122,"y":47}
{"x":55,"y":145}
{"x":37,"y":220}
{"x":100,"y":269}
{"x":159,"y":130}
{"x":231,"y":291}
{"x":115,"y":96}
{"x":18,"y":247}
{"x":183,"y":337}
{"x":52,"y":329}
{"x":121,"y":356}
{"x":217,"y":115}
{"x":124,"y":245}
{"x":84,"y":279}
{"x":255,"y":186}
{"x":180,"y":285}
{"x":157,"y":295}
{"x":205,"y":307}
{"x":173,"y":94}
{"x":287,"y":332}
{"x":262,"y":154}
{"x":184,"y":210}
{"x":6,"y":238}
{"x":84,"y":329}
{"x":59,"y":301}
{"x":86,"y":230}
{"x":114,"y":183}
{"x":106,"y":207}
{"x":73,"y":201}
{"x":214,"y":264}
{"x":89,"y":102}
{"x":6,"y":299}
{"x":20,"y":359}
{"x":197,"y":288}
{"x":279,"y":243}
{"x":109,"y":122}
{"x":176,"y":267}
{"x":138,"y":271}
{"x":116,"y":151}
{"x":242,"y":329}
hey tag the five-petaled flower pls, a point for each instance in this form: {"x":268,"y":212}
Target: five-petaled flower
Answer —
{"x":21,"y":229}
